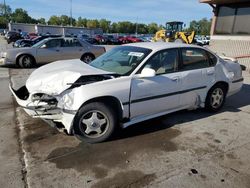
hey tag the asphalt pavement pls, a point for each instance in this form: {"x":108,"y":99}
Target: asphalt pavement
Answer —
{"x":183,"y":149}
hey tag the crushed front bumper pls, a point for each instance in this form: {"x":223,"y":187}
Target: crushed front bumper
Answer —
{"x":49,"y":113}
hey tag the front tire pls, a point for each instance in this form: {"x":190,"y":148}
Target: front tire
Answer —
{"x":95,"y":122}
{"x":216,"y":98}
{"x":26,"y":61}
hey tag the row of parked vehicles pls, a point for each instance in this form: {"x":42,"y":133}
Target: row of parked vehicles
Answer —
{"x":25,"y":39}
{"x":115,"y":39}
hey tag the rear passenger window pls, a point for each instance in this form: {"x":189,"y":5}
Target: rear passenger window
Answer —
{"x":194,"y":58}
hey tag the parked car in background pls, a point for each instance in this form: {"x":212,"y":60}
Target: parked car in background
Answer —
{"x":101,"y":39}
{"x":127,"y":85}
{"x":202,"y":40}
{"x":32,"y":36}
{"x":130,"y":39}
{"x":110,"y":39}
{"x":91,"y":40}
{"x":12,"y":36}
{"x":52,"y":49}
{"x":24,"y":35}
{"x":30,"y":42}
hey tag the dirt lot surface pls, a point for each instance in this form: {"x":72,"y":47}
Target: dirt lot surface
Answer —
{"x":184,"y":149}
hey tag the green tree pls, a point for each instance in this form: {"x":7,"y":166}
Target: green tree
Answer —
{"x":92,"y":23}
{"x":201,"y":27}
{"x":114,"y":28}
{"x":126,"y":27}
{"x":81,"y":22}
{"x":105,"y":25}
{"x":21,"y":16}
{"x":65,"y":20}
{"x":142,"y":28}
{"x":41,"y":21}
{"x":153,"y":28}
{"x":54,"y":20}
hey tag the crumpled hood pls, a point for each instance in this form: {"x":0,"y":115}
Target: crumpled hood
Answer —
{"x":54,"y":78}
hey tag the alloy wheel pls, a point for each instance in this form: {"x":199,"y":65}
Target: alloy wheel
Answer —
{"x":217,"y":98}
{"x":94,"y":124}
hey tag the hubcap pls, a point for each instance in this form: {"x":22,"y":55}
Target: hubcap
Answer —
{"x":217,"y":98}
{"x":27,"y":62}
{"x":94,"y":124}
{"x":87,"y":59}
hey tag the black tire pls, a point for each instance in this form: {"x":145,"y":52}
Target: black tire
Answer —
{"x":216,"y":98}
{"x":94,"y":123}
{"x":87,"y":58}
{"x":26,"y":61}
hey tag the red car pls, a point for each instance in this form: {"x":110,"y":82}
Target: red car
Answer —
{"x":129,"y":39}
{"x":32,"y":36}
{"x":101,"y":39}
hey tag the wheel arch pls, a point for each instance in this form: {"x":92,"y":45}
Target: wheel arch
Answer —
{"x":20,"y":55}
{"x":110,"y":101}
{"x":223,"y":83}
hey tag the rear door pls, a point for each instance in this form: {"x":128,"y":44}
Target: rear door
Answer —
{"x":194,"y":70}
{"x":159,"y":93}
{"x":50,"y":51}
{"x":71,"y":49}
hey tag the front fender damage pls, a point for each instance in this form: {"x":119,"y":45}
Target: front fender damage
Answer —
{"x":57,"y":110}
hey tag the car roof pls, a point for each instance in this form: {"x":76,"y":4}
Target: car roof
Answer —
{"x":160,"y":45}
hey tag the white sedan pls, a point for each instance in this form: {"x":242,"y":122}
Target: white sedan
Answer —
{"x":127,"y":85}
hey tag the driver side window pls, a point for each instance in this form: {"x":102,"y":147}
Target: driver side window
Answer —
{"x":54,"y":43}
{"x":164,"y":62}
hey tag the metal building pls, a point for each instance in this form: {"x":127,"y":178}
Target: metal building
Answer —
{"x":230,"y":30}
{"x":61,"y":30}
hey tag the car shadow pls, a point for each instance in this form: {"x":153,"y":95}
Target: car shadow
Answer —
{"x":13,"y":66}
{"x":233,"y":104}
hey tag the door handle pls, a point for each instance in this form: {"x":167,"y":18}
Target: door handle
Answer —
{"x":175,"y":79}
{"x":210,"y":72}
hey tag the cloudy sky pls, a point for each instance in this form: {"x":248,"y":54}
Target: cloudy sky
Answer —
{"x":146,"y":11}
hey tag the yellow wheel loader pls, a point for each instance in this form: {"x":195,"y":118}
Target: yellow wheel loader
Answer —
{"x":174,"y":33}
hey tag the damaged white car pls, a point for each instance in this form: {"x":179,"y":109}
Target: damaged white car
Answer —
{"x":127,"y":85}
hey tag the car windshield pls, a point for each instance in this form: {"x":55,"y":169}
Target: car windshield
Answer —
{"x":121,"y":60}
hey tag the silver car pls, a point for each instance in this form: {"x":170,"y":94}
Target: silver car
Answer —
{"x":52,"y":49}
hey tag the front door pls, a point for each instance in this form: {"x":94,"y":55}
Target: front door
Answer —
{"x":157,"y":94}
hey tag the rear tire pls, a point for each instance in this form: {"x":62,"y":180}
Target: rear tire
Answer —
{"x":95,"y":122}
{"x":26,"y":61}
{"x":216,"y":98}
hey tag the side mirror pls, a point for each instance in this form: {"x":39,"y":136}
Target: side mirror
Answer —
{"x":147,"y":73}
{"x":44,"y":46}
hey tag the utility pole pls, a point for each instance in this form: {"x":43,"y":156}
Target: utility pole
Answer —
{"x":71,"y":13}
{"x":4,"y":8}
{"x":136,"y":28}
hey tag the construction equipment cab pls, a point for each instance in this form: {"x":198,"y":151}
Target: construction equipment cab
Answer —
{"x":174,"y":33}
